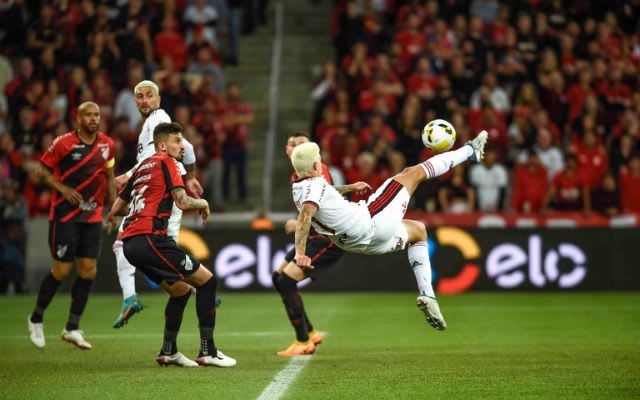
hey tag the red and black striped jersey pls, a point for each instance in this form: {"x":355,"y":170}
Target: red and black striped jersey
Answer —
{"x":325,"y":173}
{"x":149,"y":194}
{"x":82,"y":167}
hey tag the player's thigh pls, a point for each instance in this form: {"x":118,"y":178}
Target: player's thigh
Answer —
{"x":159,"y":258}
{"x":323,"y":253}
{"x":89,"y":240}
{"x":388,"y":211}
{"x":416,"y":230}
{"x":63,"y":240}
{"x":293,"y":271}
{"x":201,"y":276}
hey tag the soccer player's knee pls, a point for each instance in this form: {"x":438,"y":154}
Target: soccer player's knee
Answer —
{"x":60,"y":271}
{"x":421,"y":231}
{"x":88,"y":272}
{"x":286,"y":283}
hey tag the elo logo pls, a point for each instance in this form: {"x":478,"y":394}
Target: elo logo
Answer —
{"x":504,"y":263}
{"x":504,"y":260}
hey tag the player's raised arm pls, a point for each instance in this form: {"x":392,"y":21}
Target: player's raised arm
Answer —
{"x":358,"y":187}
{"x":307,"y":212}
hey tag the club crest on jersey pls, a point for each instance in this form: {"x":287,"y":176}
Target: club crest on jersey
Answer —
{"x":105,"y":151}
{"x":61,"y":250}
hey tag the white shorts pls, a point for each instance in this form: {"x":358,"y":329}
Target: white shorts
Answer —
{"x":173,"y":229}
{"x":387,"y":207}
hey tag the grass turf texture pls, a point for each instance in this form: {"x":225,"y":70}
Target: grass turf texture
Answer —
{"x":378,"y":346}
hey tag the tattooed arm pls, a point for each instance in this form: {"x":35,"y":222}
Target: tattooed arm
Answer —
{"x":307,"y":212}
{"x":358,"y":187}
{"x":185,"y":202}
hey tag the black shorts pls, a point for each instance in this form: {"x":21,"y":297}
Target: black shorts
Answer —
{"x":71,"y":240}
{"x":159,"y":258}
{"x":323,"y":253}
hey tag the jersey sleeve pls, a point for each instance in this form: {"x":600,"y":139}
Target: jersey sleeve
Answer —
{"x":54,"y":154}
{"x":314,"y":192}
{"x":111,"y":160}
{"x":173,"y":175}
{"x":326,"y":174}
{"x":125,"y":193}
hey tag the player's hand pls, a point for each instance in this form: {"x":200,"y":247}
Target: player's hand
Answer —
{"x":303,"y":261}
{"x":290,"y":226}
{"x":204,"y":213}
{"x":112,"y":224}
{"x":71,"y":195}
{"x":361,"y":187}
{"x":194,"y":187}
{"x":121,"y":181}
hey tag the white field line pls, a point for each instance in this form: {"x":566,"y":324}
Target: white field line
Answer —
{"x":280,"y":383}
{"x":286,"y":377}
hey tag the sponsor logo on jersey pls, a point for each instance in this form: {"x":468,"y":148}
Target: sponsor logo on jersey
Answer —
{"x":78,"y":146}
{"x":88,"y":205}
{"x":76,"y":156}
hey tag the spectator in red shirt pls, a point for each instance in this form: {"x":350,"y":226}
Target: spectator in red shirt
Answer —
{"x":592,"y":159}
{"x":529,"y":185}
{"x":236,"y":120}
{"x":568,"y":190}
{"x":365,"y":170}
{"x":578,"y":92}
{"x":377,"y":137}
{"x":410,"y":39}
{"x":422,"y":82}
{"x":630,"y":186}
{"x":170,"y":43}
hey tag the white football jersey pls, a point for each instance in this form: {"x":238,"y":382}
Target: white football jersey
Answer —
{"x":347,"y":224}
{"x":145,"y":140}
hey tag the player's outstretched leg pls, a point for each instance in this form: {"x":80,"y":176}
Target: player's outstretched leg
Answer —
{"x":421,"y":264}
{"x":440,"y":164}
{"x":127,"y":277}
{"x":206,"y":310}
{"x":173,"y":312}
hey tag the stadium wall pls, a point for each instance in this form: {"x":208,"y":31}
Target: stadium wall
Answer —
{"x":463,"y":259}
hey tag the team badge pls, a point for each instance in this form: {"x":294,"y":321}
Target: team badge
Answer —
{"x":61,"y":251}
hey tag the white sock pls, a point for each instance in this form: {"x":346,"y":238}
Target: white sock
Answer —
{"x":126,"y":271}
{"x":421,"y":265}
{"x":442,"y":163}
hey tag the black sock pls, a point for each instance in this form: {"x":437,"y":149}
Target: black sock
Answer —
{"x":274,"y":278}
{"x":48,"y":289}
{"x":206,"y":310}
{"x":79,"y":296}
{"x":293,"y":305}
{"x":172,"y":320}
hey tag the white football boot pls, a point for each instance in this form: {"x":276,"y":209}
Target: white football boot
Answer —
{"x":36,"y":333}
{"x":477,"y":144}
{"x":175,"y":359}
{"x":220,"y":360}
{"x":431,"y":310}
{"x":76,"y":338}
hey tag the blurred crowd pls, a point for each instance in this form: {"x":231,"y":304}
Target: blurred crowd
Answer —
{"x":555,"y":83}
{"x":54,"y":55}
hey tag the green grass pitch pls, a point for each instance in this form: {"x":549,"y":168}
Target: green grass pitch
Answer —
{"x":378,"y":346}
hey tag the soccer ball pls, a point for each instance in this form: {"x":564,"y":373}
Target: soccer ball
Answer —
{"x":438,"y":135}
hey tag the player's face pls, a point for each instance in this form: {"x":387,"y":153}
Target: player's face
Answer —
{"x":292,"y":142}
{"x":89,"y":119}
{"x":175,"y":147}
{"x":147,"y":101}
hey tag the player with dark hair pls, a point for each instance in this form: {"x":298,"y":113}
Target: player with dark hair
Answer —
{"x":155,"y":185}
{"x":79,"y":168}
{"x":376,"y":226}
{"x":147,"y":96}
{"x":323,"y":252}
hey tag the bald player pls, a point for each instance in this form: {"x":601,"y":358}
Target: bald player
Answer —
{"x":79,"y":169}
